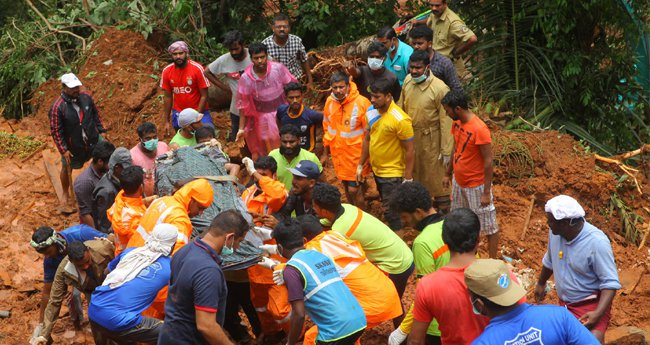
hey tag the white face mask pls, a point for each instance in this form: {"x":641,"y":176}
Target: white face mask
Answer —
{"x":375,"y":63}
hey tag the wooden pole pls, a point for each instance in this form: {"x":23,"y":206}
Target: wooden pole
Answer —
{"x":528,"y":214}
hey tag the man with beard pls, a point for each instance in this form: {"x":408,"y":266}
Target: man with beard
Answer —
{"x":75,"y":126}
{"x":421,"y":97}
{"x":299,"y":202}
{"x":388,"y":144}
{"x":343,"y":131}
{"x":231,"y":66}
{"x":300,"y":115}
{"x":452,"y":38}
{"x":259,"y":93}
{"x":364,"y":76}
{"x":422,"y":39}
{"x":85,"y":183}
{"x":288,"y":49}
{"x":184,"y":86}
{"x":290,"y":154}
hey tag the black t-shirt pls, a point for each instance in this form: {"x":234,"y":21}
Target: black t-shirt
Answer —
{"x":367,"y":78}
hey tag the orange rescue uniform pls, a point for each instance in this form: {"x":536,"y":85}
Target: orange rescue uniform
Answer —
{"x":125,"y":215}
{"x":171,"y":210}
{"x":270,"y":300}
{"x":343,"y":132}
{"x":373,"y":289}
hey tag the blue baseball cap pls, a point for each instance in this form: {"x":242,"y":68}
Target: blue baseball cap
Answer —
{"x":306,"y":169}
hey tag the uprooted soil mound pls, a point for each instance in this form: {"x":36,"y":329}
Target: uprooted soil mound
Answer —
{"x":121,"y":71}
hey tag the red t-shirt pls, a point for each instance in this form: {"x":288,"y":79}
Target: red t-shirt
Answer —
{"x":184,"y":83}
{"x":468,"y":161}
{"x":443,"y":295}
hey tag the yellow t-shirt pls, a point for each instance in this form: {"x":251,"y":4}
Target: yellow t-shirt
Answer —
{"x":387,"y":131}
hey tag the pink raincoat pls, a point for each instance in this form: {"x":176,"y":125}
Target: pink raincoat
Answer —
{"x":258,"y":99}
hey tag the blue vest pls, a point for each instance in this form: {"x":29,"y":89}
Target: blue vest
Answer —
{"x":328,"y":301}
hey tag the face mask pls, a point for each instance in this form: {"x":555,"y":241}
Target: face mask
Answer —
{"x":375,"y":63}
{"x":339,"y":99}
{"x":391,"y":49}
{"x":421,"y":78}
{"x":228,"y":250}
{"x":476,"y":311}
{"x":150,"y":145}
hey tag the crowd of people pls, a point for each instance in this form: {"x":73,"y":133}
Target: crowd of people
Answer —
{"x":403,"y":119}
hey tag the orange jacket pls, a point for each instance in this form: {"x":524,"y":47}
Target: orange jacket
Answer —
{"x":269,"y":201}
{"x":173,"y":210}
{"x":343,"y":131}
{"x":125,"y":215}
{"x":375,"y":291}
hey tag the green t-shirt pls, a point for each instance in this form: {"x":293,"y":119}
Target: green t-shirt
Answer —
{"x":430,"y":253}
{"x":285,"y":175}
{"x":181,"y":141}
{"x":382,"y":246}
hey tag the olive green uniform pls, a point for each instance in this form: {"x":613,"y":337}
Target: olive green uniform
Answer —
{"x":449,"y":31}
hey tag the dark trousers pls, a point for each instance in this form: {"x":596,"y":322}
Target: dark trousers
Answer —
{"x":239,"y":294}
{"x":234,"y":126}
{"x":146,"y":332}
{"x":385,"y":186}
{"x":400,"y":279}
{"x":349,"y":340}
{"x":432,"y":340}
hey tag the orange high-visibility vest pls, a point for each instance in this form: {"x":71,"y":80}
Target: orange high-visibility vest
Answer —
{"x":125,"y":215}
{"x":374,"y":290}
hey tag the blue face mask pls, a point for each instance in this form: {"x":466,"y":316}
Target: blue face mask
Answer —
{"x":392,"y":48}
{"x":420,"y":79}
{"x":151,"y":145}
{"x":228,"y":250}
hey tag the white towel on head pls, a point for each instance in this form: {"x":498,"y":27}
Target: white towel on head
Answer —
{"x":159,"y":244}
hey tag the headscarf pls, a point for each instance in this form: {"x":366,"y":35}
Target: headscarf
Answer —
{"x":158,"y":244}
{"x":178,"y":45}
{"x":564,"y":207}
{"x":198,"y":190}
{"x":55,"y":239}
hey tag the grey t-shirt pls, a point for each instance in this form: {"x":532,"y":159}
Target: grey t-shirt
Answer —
{"x":367,"y":78}
{"x":232,"y":69}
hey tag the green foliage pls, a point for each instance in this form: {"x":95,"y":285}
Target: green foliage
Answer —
{"x":568,"y":65}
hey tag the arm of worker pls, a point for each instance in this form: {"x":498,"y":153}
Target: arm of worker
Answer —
{"x":212,"y":77}
{"x":295,"y":287}
{"x":424,"y":308}
{"x":418,"y":333}
{"x":203,"y":100}
{"x":274,"y":189}
{"x":167,"y":110}
{"x":365,"y":153}
{"x":58,"y":291}
{"x":56,"y":128}
{"x":84,"y":194}
{"x":352,"y":70}
{"x":206,"y":323}
{"x":307,"y":69}
{"x":459,"y":30}
{"x":232,"y":169}
{"x":400,"y":333}
{"x":544,"y":275}
{"x":406,"y":135}
{"x":486,"y":153}
{"x":605,"y":268}
{"x":446,"y":138}
{"x":396,"y":90}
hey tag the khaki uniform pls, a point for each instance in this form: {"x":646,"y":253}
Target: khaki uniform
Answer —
{"x":102,"y":252}
{"x":449,"y":31}
{"x":432,"y":128}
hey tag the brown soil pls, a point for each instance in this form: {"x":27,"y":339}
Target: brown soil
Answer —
{"x":126,"y":95}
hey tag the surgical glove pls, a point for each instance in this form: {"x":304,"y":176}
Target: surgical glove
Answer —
{"x":33,"y":340}
{"x":250,"y":166}
{"x":397,"y":337}
{"x":269,"y":248}
{"x":268,"y":263}
{"x":278,"y":277}
{"x":264,"y":232}
{"x":360,"y":173}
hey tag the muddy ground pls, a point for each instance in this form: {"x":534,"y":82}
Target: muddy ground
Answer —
{"x":121,"y":72}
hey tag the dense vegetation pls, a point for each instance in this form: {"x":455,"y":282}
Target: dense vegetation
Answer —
{"x":560,"y":64}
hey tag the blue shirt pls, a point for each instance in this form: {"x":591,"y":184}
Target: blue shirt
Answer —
{"x":536,"y":325}
{"x":582,"y":266}
{"x":306,"y":122}
{"x":197,"y":283}
{"x":119,"y":309}
{"x":400,"y":64}
{"x":79,"y":232}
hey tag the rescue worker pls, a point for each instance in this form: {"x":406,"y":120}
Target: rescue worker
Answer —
{"x":452,"y":38}
{"x":382,"y":246}
{"x":316,"y":287}
{"x":83,"y":268}
{"x":289,"y":154}
{"x":421,"y":99}
{"x":299,"y":202}
{"x":265,"y":197}
{"x":109,"y":185}
{"x":129,"y":207}
{"x":413,"y":203}
{"x":177,"y":209}
{"x":54,"y":246}
{"x":297,"y":113}
{"x":343,"y":123}
{"x":372,"y":288}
